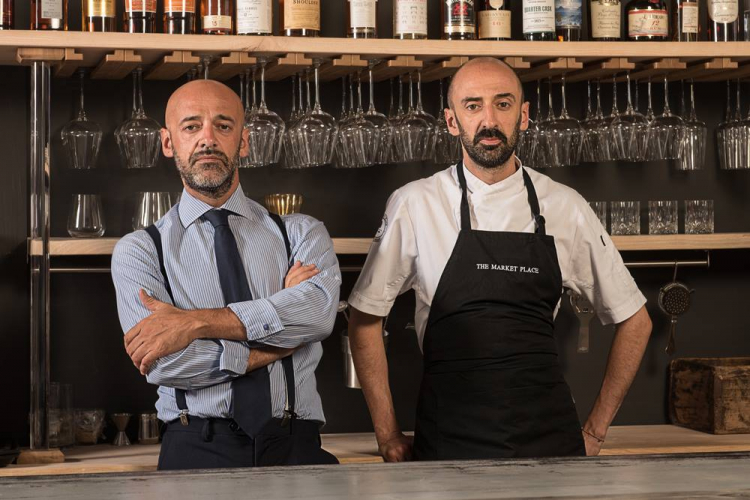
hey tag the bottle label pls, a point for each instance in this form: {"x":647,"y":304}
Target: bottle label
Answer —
{"x":101,"y":8}
{"x":363,"y":13}
{"x":723,"y":11}
{"x":459,"y":16}
{"x":648,"y":23}
{"x":689,"y":17}
{"x":494,"y":23}
{"x":52,"y":9}
{"x":302,"y":15}
{"x":410,"y":16}
{"x":605,"y":19}
{"x":254,"y":16}
{"x":142,"y":6}
{"x":217,"y":23}
{"x":538,"y":16}
{"x":568,"y":13}
{"x":179,"y":6}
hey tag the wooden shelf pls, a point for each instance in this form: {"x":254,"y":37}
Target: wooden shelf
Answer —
{"x":359,"y":246}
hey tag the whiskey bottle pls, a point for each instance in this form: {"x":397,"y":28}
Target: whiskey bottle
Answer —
{"x":362,"y":18}
{"x":49,"y":15}
{"x":539,"y":20}
{"x":410,"y":19}
{"x":139,"y":16}
{"x":6,"y":14}
{"x":458,"y":19}
{"x":254,"y":17}
{"x":723,"y":20}
{"x":568,"y":19}
{"x":98,"y":15}
{"x":605,"y":20}
{"x":685,"y":20}
{"x":179,"y":17}
{"x":299,"y":17}
{"x":493,"y":18}
{"x":648,"y":20}
{"x":216,"y":17}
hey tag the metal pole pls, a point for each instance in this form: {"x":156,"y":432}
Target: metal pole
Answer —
{"x":39,"y":228}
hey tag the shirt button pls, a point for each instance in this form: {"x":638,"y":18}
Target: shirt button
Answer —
{"x":265,"y":327}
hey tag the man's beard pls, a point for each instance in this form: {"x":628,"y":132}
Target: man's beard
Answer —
{"x":211,"y":186}
{"x":486,"y":156}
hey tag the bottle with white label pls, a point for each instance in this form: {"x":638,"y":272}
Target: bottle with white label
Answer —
{"x":217,"y":17}
{"x":299,"y":17}
{"x":493,"y":19}
{"x":410,"y":19}
{"x":179,"y":17}
{"x":605,"y":20}
{"x":254,"y":17}
{"x":49,"y":15}
{"x":723,"y":20}
{"x":685,"y":25}
{"x":139,"y":16}
{"x":539,"y":20}
{"x":568,"y":19}
{"x":362,"y":18}
{"x":648,"y":20}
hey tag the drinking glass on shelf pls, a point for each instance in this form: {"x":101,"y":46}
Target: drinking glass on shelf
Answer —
{"x":625,"y":217}
{"x":699,"y":216}
{"x":667,"y":130}
{"x":447,"y":146}
{"x":562,"y":136}
{"x":662,"y":217}
{"x":151,"y":206}
{"x":694,"y":140}
{"x":86,"y":219}
{"x":139,"y":138}
{"x":600,"y":209}
{"x":82,"y":137}
{"x":265,"y":129}
{"x":284,"y":203}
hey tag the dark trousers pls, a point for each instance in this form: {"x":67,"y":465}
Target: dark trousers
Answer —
{"x":220,"y":443}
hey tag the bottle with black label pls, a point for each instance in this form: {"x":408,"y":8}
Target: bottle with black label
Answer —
{"x":458,"y":19}
{"x":723,"y":20}
{"x":6,"y":14}
{"x":648,"y":20}
{"x":539,"y":20}
{"x":493,"y":19}
{"x":217,"y":17}
{"x":139,"y":16}
{"x":568,"y":19}
{"x":49,"y":15}
{"x":685,"y":20}
{"x":179,"y":17}
{"x":410,"y":19}
{"x":362,"y":18}
{"x":254,"y":17}
{"x":605,"y":20}
{"x":299,"y":17}
{"x":98,"y":15}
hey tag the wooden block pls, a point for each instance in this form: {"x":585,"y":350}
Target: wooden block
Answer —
{"x":658,"y":68}
{"x":391,"y":68}
{"x":710,"y":394}
{"x":33,"y":457}
{"x":442,"y":69}
{"x":173,"y":66}
{"x":230,"y":66}
{"x":287,"y":66}
{"x":339,"y":67}
{"x":71,"y":62}
{"x":117,"y":65}
{"x":550,"y":69}
{"x":28,"y":56}
{"x":601,"y":69}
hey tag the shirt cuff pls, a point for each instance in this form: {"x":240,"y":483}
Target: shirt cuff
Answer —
{"x":234,"y":357}
{"x":259,"y":317}
{"x":369,"y":306}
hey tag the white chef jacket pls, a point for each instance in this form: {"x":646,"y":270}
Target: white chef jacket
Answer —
{"x":421,"y":225}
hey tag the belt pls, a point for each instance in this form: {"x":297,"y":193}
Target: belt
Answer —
{"x":209,"y":427}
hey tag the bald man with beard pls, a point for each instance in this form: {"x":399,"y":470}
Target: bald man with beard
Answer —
{"x":224,"y":305}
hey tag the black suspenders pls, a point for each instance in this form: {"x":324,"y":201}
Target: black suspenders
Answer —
{"x":286,"y":362}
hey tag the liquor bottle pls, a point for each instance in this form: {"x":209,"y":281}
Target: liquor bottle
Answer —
{"x":139,"y":16}
{"x":605,"y":20}
{"x":539,"y":20}
{"x":49,"y":15}
{"x":254,"y":17}
{"x":685,"y":20}
{"x":299,"y":17}
{"x":216,"y":17}
{"x":179,"y":17}
{"x":98,"y":15}
{"x":568,"y":19}
{"x":410,"y":19}
{"x":723,"y":20}
{"x":746,"y":19}
{"x":458,"y":19}
{"x":6,"y":14}
{"x":648,"y":20}
{"x":362,"y":18}
{"x":493,"y":18}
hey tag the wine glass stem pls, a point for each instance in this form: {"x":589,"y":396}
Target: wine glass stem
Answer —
{"x":667,"y":111}
{"x":564,"y":111}
{"x":738,"y":113}
{"x":598,"y":97}
{"x":343,"y":96}
{"x":317,"y":88}
{"x":538,"y":99}
{"x":307,"y":87}
{"x":359,"y":92}
{"x":649,"y":95}
{"x":255,"y":98}
{"x":550,"y":114}
{"x":294,"y":94}
{"x":630,"y":102}
{"x":693,"y":116}
{"x":588,"y":99}
{"x":411,"y":99}
{"x":615,"y":111}
{"x":81,"y":112}
{"x":419,"y":90}
{"x":372,"y":91}
{"x":263,"y":84}
{"x":400,"y":95}
{"x":242,"y":90}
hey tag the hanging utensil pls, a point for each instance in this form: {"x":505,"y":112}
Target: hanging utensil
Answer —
{"x":674,"y":300}
{"x":584,"y":311}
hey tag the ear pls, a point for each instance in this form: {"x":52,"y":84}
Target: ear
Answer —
{"x":166,"y":143}
{"x":450,"y":119}
{"x":244,"y":142}
{"x":524,"y":116}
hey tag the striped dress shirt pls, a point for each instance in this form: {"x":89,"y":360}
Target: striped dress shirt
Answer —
{"x":298,"y":316}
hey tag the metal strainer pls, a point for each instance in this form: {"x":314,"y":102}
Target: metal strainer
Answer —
{"x":674,"y":300}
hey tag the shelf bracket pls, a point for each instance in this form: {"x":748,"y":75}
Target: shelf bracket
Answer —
{"x":341,"y":66}
{"x":601,"y":69}
{"x":227,"y":67}
{"x":721,"y":69}
{"x":117,"y":65}
{"x":550,"y":69}
{"x":658,"y":68}
{"x":442,"y":69}
{"x":173,"y":66}
{"x":398,"y":66}
{"x":287,"y":66}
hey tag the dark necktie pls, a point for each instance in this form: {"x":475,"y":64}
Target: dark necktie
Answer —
{"x":251,"y":394}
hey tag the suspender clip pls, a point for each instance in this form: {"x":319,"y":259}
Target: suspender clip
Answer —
{"x":184,"y":417}
{"x":288,"y":416}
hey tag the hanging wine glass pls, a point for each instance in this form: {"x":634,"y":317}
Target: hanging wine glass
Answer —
{"x":82,"y":137}
{"x":265,"y":129}
{"x":742,"y":135}
{"x":395,"y":118}
{"x":536,"y":154}
{"x":381,"y":131}
{"x":139,"y":138}
{"x":630,"y":131}
{"x":694,"y":140}
{"x":416,"y":130}
{"x":667,"y":130}
{"x":447,"y":146}
{"x":562,"y":136}
{"x":350,"y":153}
{"x":589,"y":131}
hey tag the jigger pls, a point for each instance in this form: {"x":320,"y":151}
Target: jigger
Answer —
{"x":121,"y":422}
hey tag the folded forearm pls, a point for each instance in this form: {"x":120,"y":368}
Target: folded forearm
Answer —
{"x":202,"y":364}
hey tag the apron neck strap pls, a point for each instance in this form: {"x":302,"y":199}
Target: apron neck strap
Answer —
{"x":530,"y":191}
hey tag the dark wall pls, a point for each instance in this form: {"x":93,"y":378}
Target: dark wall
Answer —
{"x":86,"y":338}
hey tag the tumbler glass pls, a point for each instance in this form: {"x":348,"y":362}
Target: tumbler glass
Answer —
{"x":151,"y":207}
{"x":85,"y":219}
{"x":61,"y":432}
{"x":148,"y":428}
{"x":625,"y":216}
{"x":89,"y":425}
{"x":600,"y":209}
{"x":662,"y":217}
{"x":699,"y":216}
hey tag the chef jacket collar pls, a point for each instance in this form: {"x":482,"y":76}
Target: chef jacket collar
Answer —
{"x":191,"y":208}
{"x":509,"y":185}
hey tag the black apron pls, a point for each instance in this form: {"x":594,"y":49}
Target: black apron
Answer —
{"x":492,"y":384}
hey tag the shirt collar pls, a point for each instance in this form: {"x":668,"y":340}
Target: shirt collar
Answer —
{"x":191,"y":208}
{"x":474,"y":184}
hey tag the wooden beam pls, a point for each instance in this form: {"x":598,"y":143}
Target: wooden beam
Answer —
{"x":396,"y":67}
{"x":117,"y":65}
{"x":173,"y":66}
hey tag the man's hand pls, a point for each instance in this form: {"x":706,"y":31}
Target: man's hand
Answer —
{"x":593,"y":445}
{"x":397,"y":448}
{"x":299,"y":273}
{"x":165,"y":331}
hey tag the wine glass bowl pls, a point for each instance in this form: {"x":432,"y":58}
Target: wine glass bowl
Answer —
{"x":82,"y":137}
{"x":139,"y":138}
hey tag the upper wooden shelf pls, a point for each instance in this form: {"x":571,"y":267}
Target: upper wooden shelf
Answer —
{"x":170,"y":56}
{"x":360,"y":246}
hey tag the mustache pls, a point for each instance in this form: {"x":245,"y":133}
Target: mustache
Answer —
{"x":489,"y":133}
{"x":209,"y":152}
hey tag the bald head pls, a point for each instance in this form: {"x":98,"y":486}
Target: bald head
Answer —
{"x":485,"y":67}
{"x":202,"y":94}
